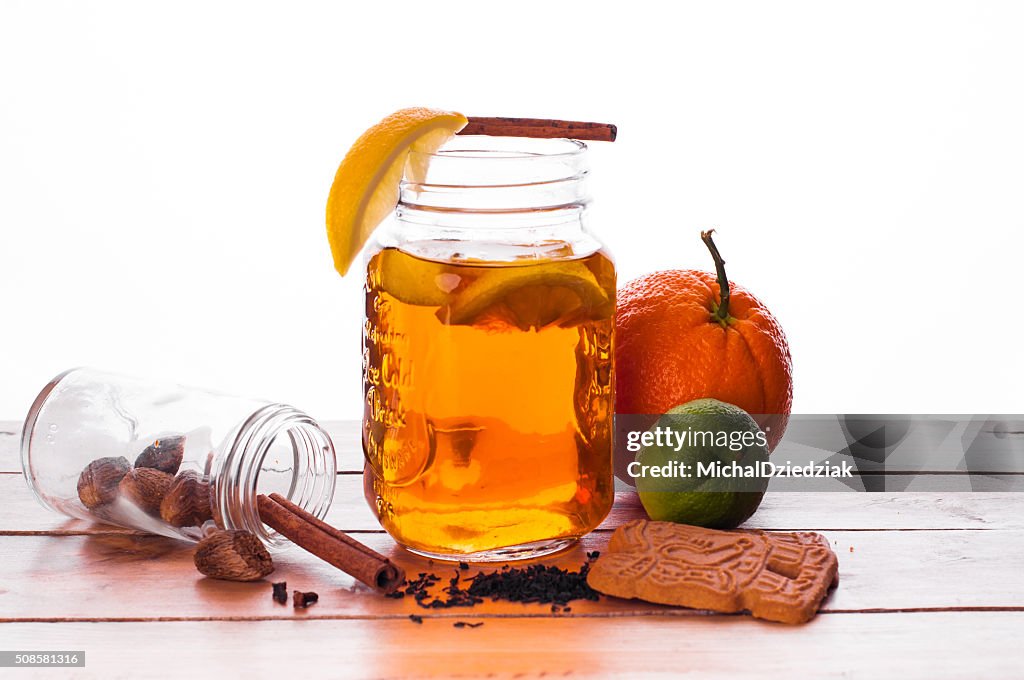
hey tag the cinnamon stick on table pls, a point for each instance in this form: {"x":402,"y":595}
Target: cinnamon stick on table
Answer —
{"x":539,"y":127}
{"x":329,"y":544}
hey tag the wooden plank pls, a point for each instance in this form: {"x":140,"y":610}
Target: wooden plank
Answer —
{"x":908,"y":646}
{"x":22,"y":513}
{"x":123,"y":577}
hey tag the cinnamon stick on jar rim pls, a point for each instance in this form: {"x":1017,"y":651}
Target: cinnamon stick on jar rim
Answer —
{"x":539,"y":127}
{"x":329,"y":544}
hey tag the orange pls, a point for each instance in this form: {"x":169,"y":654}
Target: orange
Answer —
{"x":683,"y":335}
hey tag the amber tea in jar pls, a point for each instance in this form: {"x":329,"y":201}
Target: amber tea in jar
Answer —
{"x":488,"y":376}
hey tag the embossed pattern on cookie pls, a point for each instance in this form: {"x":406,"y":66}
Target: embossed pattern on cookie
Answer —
{"x":780,"y":576}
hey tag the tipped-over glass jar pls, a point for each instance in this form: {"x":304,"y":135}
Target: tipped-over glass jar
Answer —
{"x":170,"y":460}
{"x":488,"y":377}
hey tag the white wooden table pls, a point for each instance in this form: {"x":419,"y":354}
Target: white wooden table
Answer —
{"x":932,"y":586}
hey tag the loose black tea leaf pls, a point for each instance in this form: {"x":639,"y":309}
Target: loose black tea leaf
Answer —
{"x":281,"y":592}
{"x":302,"y":600}
{"x":415,"y":618}
{"x":466,"y":624}
{"x":536,"y":583}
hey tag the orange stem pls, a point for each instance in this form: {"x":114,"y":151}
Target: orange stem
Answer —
{"x":723,"y":281}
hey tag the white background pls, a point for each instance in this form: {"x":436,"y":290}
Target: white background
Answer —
{"x":164,"y":170}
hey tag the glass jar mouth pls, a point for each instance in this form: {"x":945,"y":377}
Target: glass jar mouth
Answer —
{"x":494,"y":148}
{"x":308,"y":461}
{"x":497,"y":176}
{"x":476,"y":161}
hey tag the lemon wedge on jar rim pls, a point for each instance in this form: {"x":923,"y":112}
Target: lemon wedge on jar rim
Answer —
{"x":366,"y":186}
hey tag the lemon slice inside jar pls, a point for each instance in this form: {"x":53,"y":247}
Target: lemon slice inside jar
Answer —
{"x":366,"y":185}
{"x":413,"y":280}
{"x":532,"y":296}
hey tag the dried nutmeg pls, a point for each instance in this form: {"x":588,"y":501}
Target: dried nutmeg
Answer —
{"x":164,"y":454}
{"x":146,"y":487}
{"x":97,"y":485}
{"x":187,"y":501}
{"x":233,"y":556}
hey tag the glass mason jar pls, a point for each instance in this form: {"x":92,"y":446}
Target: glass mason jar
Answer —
{"x":170,"y":460}
{"x":487,"y":354}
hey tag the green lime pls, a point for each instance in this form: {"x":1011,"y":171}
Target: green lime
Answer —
{"x":695,"y":463}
